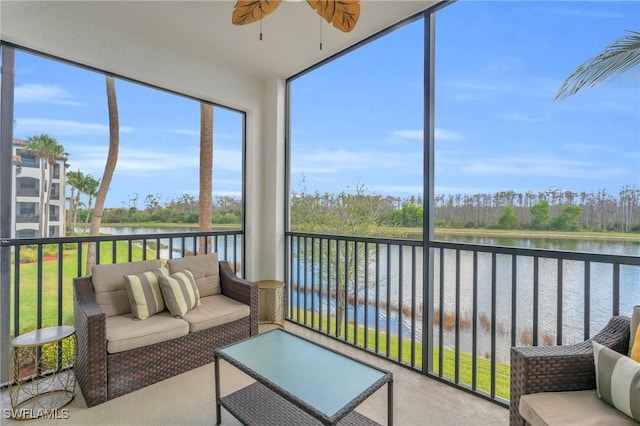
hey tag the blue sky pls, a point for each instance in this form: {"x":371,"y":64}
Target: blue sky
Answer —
{"x":358,"y":120}
{"x":497,"y":127}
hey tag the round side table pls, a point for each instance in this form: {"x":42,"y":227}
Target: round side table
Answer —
{"x":45,"y":351}
{"x":271,"y":302}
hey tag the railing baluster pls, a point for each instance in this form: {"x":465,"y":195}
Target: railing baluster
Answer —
{"x":616,"y":289}
{"x":366,"y":294}
{"x":388,"y":327}
{"x":313,"y":282}
{"x":413,"y":306}
{"x":559,"y":302}
{"x":377,"y":335}
{"x":457,"y":321}
{"x":494,"y":298}
{"x":536,"y":299}
{"x":16,"y":292}
{"x":587,"y":299}
{"x":400,"y":295}
{"x":514,"y":298}
{"x":441,"y":317}
{"x":474,"y":321}
{"x":355,"y":294}
{"x":306,"y":273}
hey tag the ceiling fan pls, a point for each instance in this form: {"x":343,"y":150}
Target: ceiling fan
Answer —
{"x":343,"y":14}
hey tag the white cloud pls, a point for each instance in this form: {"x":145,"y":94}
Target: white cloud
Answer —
{"x":543,"y":166}
{"x":147,"y":163}
{"x":397,"y":189}
{"x":447,"y":135}
{"x":517,"y":116}
{"x":599,"y":14}
{"x":64,"y":127}
{"x":417,"y":134}
{"x":409,"y":134}
{"x":40,"y":93}
{"x":325,"y":161}
{"x":185,"y":132}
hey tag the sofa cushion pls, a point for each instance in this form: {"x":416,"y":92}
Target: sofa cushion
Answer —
{"x":214,"y":311}
{"x":617,"y":380}
{"x":180,"y":293}
{"x":108,"y":284}
{"x":123,"y":333}
{"x":635,"y":326}
{"x":145,"y":296}
{"x":205,"y":270}
{"x":569,"y":408}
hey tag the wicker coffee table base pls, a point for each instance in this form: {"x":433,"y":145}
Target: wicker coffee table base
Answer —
{"x":257,"y":405}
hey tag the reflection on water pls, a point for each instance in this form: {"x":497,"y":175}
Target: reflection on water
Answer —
{"x":175,"y":247}
{"x":567,"y":300}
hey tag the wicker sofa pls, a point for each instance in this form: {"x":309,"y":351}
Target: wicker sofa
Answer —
{"x":558,"y":383}
{"x":115,"y":357}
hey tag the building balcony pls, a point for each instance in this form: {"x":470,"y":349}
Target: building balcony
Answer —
{"x":27,"y":218}
{"x":27,"y":192}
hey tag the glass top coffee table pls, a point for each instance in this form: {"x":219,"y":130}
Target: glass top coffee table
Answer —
{"x":298,"y":382}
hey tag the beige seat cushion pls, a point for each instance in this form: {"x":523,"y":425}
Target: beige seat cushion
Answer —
{"x":109,"y":286}
{"x":125,"y":333}
{"x":205,"y":270}
{"x":570,"y":408}
{"x":635,"y":322}
{"x":214,"y":311}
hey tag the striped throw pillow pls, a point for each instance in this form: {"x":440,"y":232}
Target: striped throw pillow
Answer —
{"x":145,"y":296}
{"x":617,"y":380}
{"x":180,"y":292}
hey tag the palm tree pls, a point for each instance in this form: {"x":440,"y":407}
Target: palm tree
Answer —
{"x":48,"y":151}
{"x":109,"y":168}
{"x":89,"y":187}
{"x":75,"y":180}
{"x":616,"y":59}
{"x":206,"y":169}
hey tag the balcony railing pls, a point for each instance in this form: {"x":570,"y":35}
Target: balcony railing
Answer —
{"x":458,"y":324}
{"x":39,"y":272}
{"x":27,"y":218}
{"x":27,"y":192}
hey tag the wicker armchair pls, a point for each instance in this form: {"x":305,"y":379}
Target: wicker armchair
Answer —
{"x":103,"y":376}
{"x":561,"y":368}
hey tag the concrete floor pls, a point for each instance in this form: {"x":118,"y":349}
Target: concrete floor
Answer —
{"x":188,"y":399}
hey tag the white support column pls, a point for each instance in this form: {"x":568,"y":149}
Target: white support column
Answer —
{"x":265,"y":186}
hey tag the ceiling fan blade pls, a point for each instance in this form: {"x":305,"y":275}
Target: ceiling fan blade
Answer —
{"x":248,"y":11}
{"x":343,"y":14}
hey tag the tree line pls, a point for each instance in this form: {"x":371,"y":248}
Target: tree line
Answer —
{"x":554,"y":209}
{"x":183,"y":209}
{"x":595,"y":211}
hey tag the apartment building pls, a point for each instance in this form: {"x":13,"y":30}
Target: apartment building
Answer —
{"x":26,"y":178}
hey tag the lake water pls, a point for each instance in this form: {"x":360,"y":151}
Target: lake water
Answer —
{"x":224,"y":246}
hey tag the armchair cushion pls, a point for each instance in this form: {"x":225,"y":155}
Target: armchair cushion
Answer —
{"x":180,"y":293}
{"x":634,"y":344}
{"x":617,"y":380}
{"x":124,"y":334}
{"x":109,"y":288}
{"x":204,"y":268}
{"x":582,"y":408}
{"x":214,"y":311}
{"x":145,"y":296}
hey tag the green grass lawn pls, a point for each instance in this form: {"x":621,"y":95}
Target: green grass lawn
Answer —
{"x":28,"y":279}
{"x":403,"y":354}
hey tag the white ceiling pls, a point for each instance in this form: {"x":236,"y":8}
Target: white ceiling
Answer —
{"x":291,"y":34}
